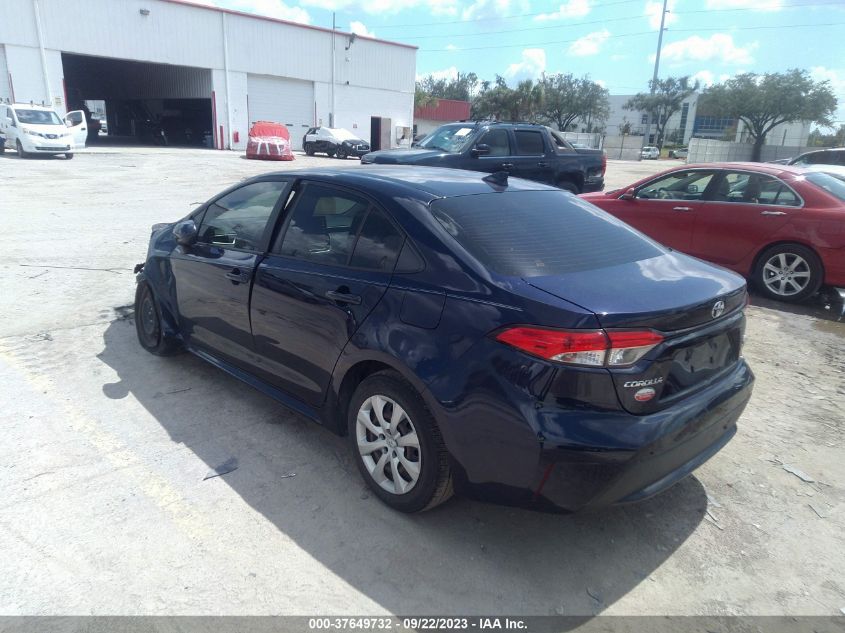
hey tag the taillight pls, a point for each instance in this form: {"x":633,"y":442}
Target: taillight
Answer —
{"x":597,"y":348}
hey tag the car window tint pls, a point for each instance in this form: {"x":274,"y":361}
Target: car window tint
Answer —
{"x":832,"y":184}
{"x":774,"y":191}
{"x":324,"y":225}
{"x":679,"y":185}
{"x":562,"y":146}
{"x":499,"y":142}
{"x":538,"y":233}
{"x":239,"y":218}
{"x":529,"y":142}
{"x":748,"y":188}
{"x":378,"y":243}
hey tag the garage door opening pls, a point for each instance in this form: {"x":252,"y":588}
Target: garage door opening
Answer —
{"x":143,"y":103}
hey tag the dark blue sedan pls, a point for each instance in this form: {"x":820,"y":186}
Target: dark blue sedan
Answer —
{"x":501,"y":339}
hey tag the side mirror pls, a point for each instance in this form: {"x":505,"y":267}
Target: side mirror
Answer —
{"x":480,"y":150}
{"x":185,"y":232}
{"x":629,"y":194}
{"x":692,"y":188}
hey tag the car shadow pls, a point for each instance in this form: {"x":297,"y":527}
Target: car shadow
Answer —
{"x":826,"y":304}
{"x":464,"y":557}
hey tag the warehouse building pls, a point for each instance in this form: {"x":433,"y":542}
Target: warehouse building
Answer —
{"x":204,"y":74}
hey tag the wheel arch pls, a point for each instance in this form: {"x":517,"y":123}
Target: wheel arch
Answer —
{"x":755,"y":261}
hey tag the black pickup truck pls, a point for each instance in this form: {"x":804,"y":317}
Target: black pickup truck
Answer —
{"x":524,"y":150}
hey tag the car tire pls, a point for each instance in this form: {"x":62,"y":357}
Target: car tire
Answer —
{"x":148,"y":324}
{"x":69,"y":155}
{"x":414,"y":438}
{"x":21,"y":152}
{"x":341,"y":153}
{"x":330,"y":152}
{"x":309,"y":149}
{"x":568,"y":185}
{"x":788,"y":272}
{"x":2,"y":147}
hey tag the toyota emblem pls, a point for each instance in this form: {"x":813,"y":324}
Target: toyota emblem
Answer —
{"x":718,"y":309}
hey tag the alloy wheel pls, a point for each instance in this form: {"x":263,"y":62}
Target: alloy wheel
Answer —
{"x":786,"y":274}
{"x":388,"y":444}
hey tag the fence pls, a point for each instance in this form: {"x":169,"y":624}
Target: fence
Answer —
{"x":705,"y":150}
{"x":626,"y":147}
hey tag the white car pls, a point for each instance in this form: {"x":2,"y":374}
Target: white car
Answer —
{"x":31,"y":129}
{"x":650,"y":152}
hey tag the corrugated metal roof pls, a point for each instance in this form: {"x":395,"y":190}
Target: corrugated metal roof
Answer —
{"x":445,"y":110}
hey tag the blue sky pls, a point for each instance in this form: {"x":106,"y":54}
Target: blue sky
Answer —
{"x":614,"y":41}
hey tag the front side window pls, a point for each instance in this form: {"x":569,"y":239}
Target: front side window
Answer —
{"x":499,"y":142}
{"x":529,"y":143}
{"x":238,"y":219}
{"x":679,"y":185}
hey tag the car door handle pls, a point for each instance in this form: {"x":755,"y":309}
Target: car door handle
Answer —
{"x":772,"y":212}
{"x":343,"y":297}
{"x":507,"y":165}
{"x":236,"y":276}
{"x":681,"y":208}
{"x":542,"y":164}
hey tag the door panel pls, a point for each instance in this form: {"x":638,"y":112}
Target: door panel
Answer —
{"x":214,"y":276}
{"x":742,"y":213}
{"x":530,"y":160}
{"x":78,"y":126}
{"x":327,"y":272}
{"x":500,"y":157}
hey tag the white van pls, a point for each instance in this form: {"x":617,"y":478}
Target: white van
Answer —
{"x":31,"y":129}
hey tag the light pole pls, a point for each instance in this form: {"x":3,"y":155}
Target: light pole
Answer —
{"x":656,"y":67}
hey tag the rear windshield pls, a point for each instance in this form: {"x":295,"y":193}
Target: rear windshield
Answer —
{"x":537,"y":233}
{"x":832,"y":184}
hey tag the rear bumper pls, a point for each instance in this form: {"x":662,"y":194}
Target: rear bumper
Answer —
{"x":589,"y":459}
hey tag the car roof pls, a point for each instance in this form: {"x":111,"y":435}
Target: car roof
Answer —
{"x":29,"y":106}
{"x":423,"y":183}
{"x":772,"y":169}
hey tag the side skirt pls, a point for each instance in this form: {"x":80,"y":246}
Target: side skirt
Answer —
{"x":268,"y":390}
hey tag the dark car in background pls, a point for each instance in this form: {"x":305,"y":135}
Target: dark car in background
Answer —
{"x":502,"y":339}
{"x":337,"y":142}
{"x":524,"y":150}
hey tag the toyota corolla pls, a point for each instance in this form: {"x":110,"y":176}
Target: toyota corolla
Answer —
{"x":497,"y":338}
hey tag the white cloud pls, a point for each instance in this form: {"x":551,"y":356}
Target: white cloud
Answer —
{"x":269,"y":8}
{"x":532,"y":65}
{"x":718,"y":47}
{"x":837,"y":85}
{"x":590,"y":44}
{"x":707,"y":77}
{"x":570,"y":9}
{"x":482,"y":9}
{"x":653,"y":8}
{"x":757,"y":5}
{"x":360,"y":29}
{"x":452,"y":47}
{"x":601,"y":82}
{"x":450,"y":73}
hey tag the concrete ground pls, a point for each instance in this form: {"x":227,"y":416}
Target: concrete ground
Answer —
{"x":105,"y":510}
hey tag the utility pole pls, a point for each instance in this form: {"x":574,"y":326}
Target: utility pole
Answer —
{"x":331,"y":113}
{"x":656,"y":67}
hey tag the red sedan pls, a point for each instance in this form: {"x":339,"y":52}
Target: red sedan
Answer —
{"x":782,"y":227}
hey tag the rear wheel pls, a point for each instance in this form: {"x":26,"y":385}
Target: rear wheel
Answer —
{"x":21,"y":152}
{"x":397,"y":445}
{"x":148,"y":324}
{"x":788,"y":272}
{"x":330,"y":152}
{"x":568,"y":185}
{"x":309,"y":149}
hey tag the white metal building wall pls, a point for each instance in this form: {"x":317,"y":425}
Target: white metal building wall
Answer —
{"x":282,"y":100}
{"x":5,"y":90}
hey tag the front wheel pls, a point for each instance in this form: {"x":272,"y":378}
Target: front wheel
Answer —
{"x":309,"y":149}
{"x":69,"y":155}
{"x":2,"y":147}
{"x":397,"y":445}
{"x":21,"y":152}
{"x":148,"y":324}
{"x":341,"y":153}
{"x":788,"y":272}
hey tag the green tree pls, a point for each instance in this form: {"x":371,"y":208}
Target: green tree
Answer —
{"x":567,"y":98}
{"x":665,"y":99}
{"x":461,"y":87}
{"x":764,"y":101}
{"x":819,"y":139}
{"x":423,"y":99}
{"x":500,"y":101}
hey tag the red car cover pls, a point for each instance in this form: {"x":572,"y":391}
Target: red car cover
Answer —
{"x":269,"y":141}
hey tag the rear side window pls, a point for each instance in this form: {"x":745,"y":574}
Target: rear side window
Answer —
{"x":537,"y":233}
{"x":378,"y":244}
{"x":529,"y":143}
{"x":834,"y":186}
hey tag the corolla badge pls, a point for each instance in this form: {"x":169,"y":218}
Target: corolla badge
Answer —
{"x":718,"y":309}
